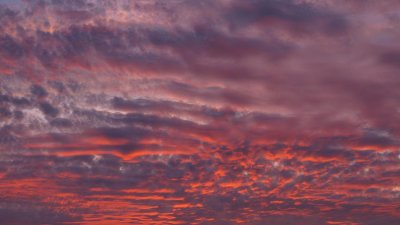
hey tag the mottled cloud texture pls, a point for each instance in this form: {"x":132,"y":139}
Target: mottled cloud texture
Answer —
{"x":278,"y":112}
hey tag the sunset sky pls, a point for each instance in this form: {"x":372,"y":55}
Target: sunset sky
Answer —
{"x":208,"y":112}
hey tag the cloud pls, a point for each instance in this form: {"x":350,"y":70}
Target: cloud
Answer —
{"x":390,"y":58}
{"x":186,"y":112}
{"x":301,"y":17}
{"x":32,"y":216}
{"x":48,"y":109}
{"x":38,"y":91}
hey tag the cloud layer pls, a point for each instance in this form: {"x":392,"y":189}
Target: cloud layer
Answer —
{"x":211,"y":112}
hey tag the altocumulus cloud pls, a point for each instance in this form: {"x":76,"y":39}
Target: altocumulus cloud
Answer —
{"x":210,"y":112}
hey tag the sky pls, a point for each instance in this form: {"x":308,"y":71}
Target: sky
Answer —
{"x":225,"y":112}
